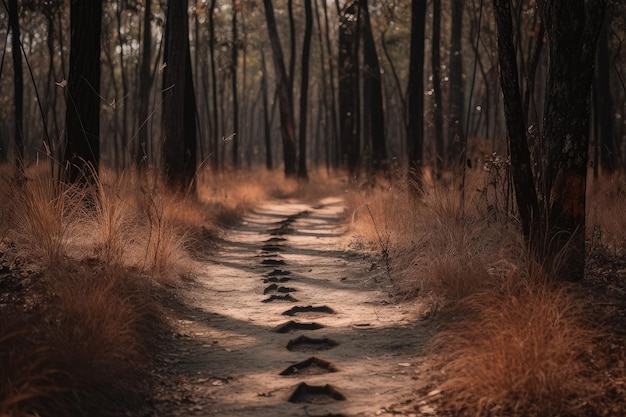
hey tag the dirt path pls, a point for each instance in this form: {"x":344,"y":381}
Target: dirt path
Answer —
{"x":248,"y":346}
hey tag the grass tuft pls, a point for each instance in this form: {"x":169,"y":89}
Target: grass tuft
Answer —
{"x":518,"y":351}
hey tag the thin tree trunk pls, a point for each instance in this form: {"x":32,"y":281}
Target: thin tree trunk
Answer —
{"x":139,"y":148}
{"x":437,"y":94}
{"x":233,"y":79}
{"x":18,"y":89}
{"x":349,"y":108}
{"x":415,"y":132}
{"x":374,"y":120}
{"x":456,"y":94}
{"x":304,"y":89}
{"x":267,"y":125}
{"x":285,"y":94}
{"x":214,"y":134}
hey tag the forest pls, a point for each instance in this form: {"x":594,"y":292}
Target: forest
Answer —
{"x":472,"y":153}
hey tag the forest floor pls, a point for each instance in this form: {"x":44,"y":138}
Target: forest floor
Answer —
{"x":287,"y":319}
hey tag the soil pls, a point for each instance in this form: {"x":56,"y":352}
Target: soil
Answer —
{"x":288,"y":320}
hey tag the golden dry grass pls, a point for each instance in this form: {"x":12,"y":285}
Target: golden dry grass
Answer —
{"x":437,"y":247}
{"x":518,"y":351}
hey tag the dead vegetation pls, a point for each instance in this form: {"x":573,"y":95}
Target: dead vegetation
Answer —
{"x":511,"y":342}
{"x":82,"y":274}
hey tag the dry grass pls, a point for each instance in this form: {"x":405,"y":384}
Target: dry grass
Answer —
{"x":437,"y":248}
{"x":45,"y":212}
{"x":518,"y":350}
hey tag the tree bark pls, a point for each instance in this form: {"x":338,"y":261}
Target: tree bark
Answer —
{"x":139,"y":148}
{"x":374,"y":121}
{"x":572,"y":32}
{"x":285,"y":94}
{"x":82,"y":150}
{"x":214,"y":93}
{"x":304,"y":89}
{"x":523,"y":180}
{"x":349,"y":108}
{"x":178,"y":101}
{"x":415,"y":128}
{"x":18,"y":89}
{"x":609,"y":154}
{"x":233,"y":79}
{"x":456,"y":95}
{"x":437,"y":94}
{"x":267,"y":133}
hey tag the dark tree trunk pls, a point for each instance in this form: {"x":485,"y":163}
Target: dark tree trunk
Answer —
{"x":18,"y":88}
{"x":139,"y":147}
{"x":456,"y":96}
{"x":523,"y":179}
{"x":82,"y":150}
{"x":333,"y":104}
{"x":415,"y":128}
{"x":178,"y":101}
{"x":572,"y":32}
{"x":267,"y":125}
{"x":374,"y":120}
{"x":304,"y":88}
{"x":437,"y":94}
{"x":285,"y":95}
{"x":233,"y":79}
{"x":349,"y":108}
{"x":214,"y":93}
{"x":609,"y":154}
{"x":292,"y":45}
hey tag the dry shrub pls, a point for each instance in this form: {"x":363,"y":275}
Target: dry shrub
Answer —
{"x":28,"y":386}
{"x":99,"y":329}
{"x":113,"y":220}
{"x":518,"y":351}
{"x":438,"y":248}
{"x":160,"y":232}
{"x":45,"y":212}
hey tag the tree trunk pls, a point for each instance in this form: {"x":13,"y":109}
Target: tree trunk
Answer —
{"x":82,"y":151}
{"x":233,"y":79}
{"x":437,"y":95}
{"x":374,"y":121}
{"x":333,"y":103}
{"x":285,"y":94}
{"x":523,"y":179}
{"x":609,"y":154}
{"x":139,"y":146}
{"x":349,"y":108}
{"x":415,"y":130}
{"x":178,"y":101}
{"x":18,"y":88}
{"x":304,"y":88}
{"x":572,"y":33}
{"x":214,"y":93}
{"x":456,"y":95}
{"x":267,"y":125}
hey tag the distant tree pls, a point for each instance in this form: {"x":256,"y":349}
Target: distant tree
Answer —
{"x":179,"y":108}
{"x":373,"y":111}
{"x":437,"y":95}
{"x":456,"y":97}
{"x":349,"y":103}
{"x":304,"y":88}
{"x":82,"y":150}
{"x":415,"y":129}
{"x":140,"y":145}
{"x":285,"y":94}
{"x":214,"y":92}
{"x":233,"y":78}
{"x":18,"y":88}
{"x":267,"y":131}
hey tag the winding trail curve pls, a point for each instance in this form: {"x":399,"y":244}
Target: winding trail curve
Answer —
{"x":286,"y":321}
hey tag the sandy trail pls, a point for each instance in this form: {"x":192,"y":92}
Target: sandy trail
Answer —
{"x":228,"y":354}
